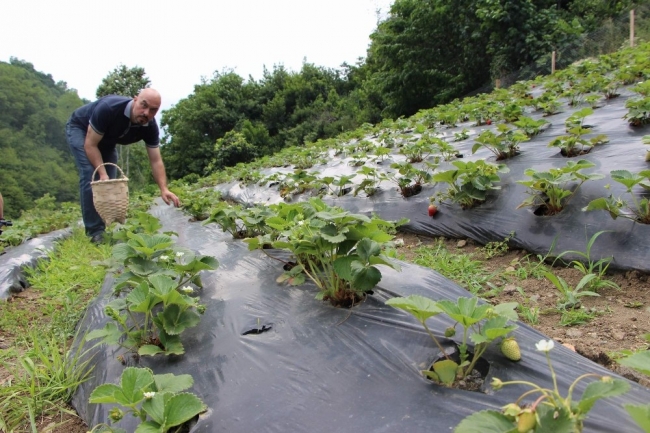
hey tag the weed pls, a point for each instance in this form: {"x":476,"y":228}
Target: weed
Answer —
{"x":588,"y":266}
{"x":570,"y":296}
{"x":497,"y":248}
{"x":43,"y":379}
{"x":460,"y":268}
{"x":579,"y":316}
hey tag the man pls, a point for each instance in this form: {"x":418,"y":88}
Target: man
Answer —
{"x":93,"y":132}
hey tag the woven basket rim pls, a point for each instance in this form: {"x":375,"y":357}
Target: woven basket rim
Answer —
{"x":95,"y":182}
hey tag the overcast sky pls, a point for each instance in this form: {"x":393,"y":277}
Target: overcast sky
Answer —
{"x":179,"y":41}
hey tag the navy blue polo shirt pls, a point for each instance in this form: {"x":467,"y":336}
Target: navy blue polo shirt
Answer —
{"x":110,"y":117}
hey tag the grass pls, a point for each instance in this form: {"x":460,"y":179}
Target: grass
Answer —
{"x":461,"y":268}
{"x":38,"y":371}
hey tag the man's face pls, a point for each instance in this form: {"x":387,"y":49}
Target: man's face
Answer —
{"x":145,"y":107}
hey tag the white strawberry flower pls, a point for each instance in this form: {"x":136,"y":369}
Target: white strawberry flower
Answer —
{"x":187,"y":289}
{"x":149,"y":395}
{"x":545,"y":345}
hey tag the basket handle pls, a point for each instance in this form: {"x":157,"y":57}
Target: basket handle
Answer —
{"x":108,"y":163}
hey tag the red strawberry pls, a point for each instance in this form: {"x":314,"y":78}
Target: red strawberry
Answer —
{"x":489,"y":122}
{"x":432,"y":209}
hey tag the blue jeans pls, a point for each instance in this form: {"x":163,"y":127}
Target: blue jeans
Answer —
{"x":76,"y":137}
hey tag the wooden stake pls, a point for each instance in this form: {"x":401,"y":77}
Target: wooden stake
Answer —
{"x":553,"y":62}
{"x":632,"y":28}
{"x":497,"y":83}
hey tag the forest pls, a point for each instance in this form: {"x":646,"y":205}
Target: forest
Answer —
{"x":424,"y":53}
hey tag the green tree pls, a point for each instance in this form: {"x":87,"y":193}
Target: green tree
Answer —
{"x":426,"y":53}
{"x":195,"y":123}
{"x":123,"y":81}
{"x":232,"y":149}
{"x":35,"y":158}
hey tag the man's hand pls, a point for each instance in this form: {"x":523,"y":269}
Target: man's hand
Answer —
{"x":169,"y":197}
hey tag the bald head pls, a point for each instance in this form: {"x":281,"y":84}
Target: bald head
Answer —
{"x":145,"y":106}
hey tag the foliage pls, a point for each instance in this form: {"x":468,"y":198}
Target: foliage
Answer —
{"x":240,"y":222}
{"x":497,"y":248}
{"x":570,"y":297}
{"x":469,"y":182}
{"x":588,"y":266}
{"x":575,"y":144}
{"x":48,"y":374}
{"x":504,"y":145}
{"x":157,"y":399}
{"x":45,"y":217}
{"x":43,"y":370}
{"x":337,"y":250}
{"x":461,"y":268}
{"x":408,"y":178}
{"x":197,"y":202}
{"x":640,"y":361}
{"x":35,"y":158}
{"x":638,"y":111}
{"x":550,"y":189}
{"x":123,"y":81}
{"x":550,"y":411}
{"x":156,"y":307}
{"x":482,"y":324}
{"x":637,"y":210}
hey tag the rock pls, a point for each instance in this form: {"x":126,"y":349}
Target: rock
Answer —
{"x":510,"y":269}
{"x":618,"y":335}
{"x":534,"y":298}
{"x":398,"y":242}
{"x":574,"y":333}
{"x":461,"y":244}
{"x":509,"y":288}
{"x":569,"y":346}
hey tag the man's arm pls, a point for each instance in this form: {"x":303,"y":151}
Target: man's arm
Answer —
{"x":159,"y":175}
{"x":91,"y":146}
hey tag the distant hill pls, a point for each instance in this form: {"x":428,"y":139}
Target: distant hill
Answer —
{"x":34,"y":155}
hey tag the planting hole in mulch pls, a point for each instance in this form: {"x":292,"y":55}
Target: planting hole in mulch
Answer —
{"x":259,"y":330}
{"x":575,"y":152}
{"x":473,"y":381}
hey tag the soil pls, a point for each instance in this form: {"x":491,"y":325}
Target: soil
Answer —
{"x":621,"y":319}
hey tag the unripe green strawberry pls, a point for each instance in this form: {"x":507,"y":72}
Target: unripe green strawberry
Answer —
{"x":510,"y":348}
{"x":526,"y":421}
{"x":450,"y":332}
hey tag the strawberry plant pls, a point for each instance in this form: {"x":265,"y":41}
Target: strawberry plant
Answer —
{"x":410,"y":179}
{"x":462,"y":135}
{"x":370,"y":183}
{"x":197,"y":202}
{"x":337,"y":250}
{"x":481,"y":324}
{"x":238,"y":221}
{"x":530,"y":126}
{"x":504,"y":145}
{"x":550,"y":412}
{"x":636,"y":209}
{"x":575,"y":144}
{"x":639,"y":361}
{"x":153,"y":305}
{"x":156,"y":399}
{"x":549,"y":190}
{"x":340,"y":182}
{"x":469,"y":182}
{"x":420,"y":150}
{"x":638,"y":111}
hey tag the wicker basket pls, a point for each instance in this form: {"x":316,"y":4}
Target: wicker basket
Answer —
{"x":111,"y":197}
